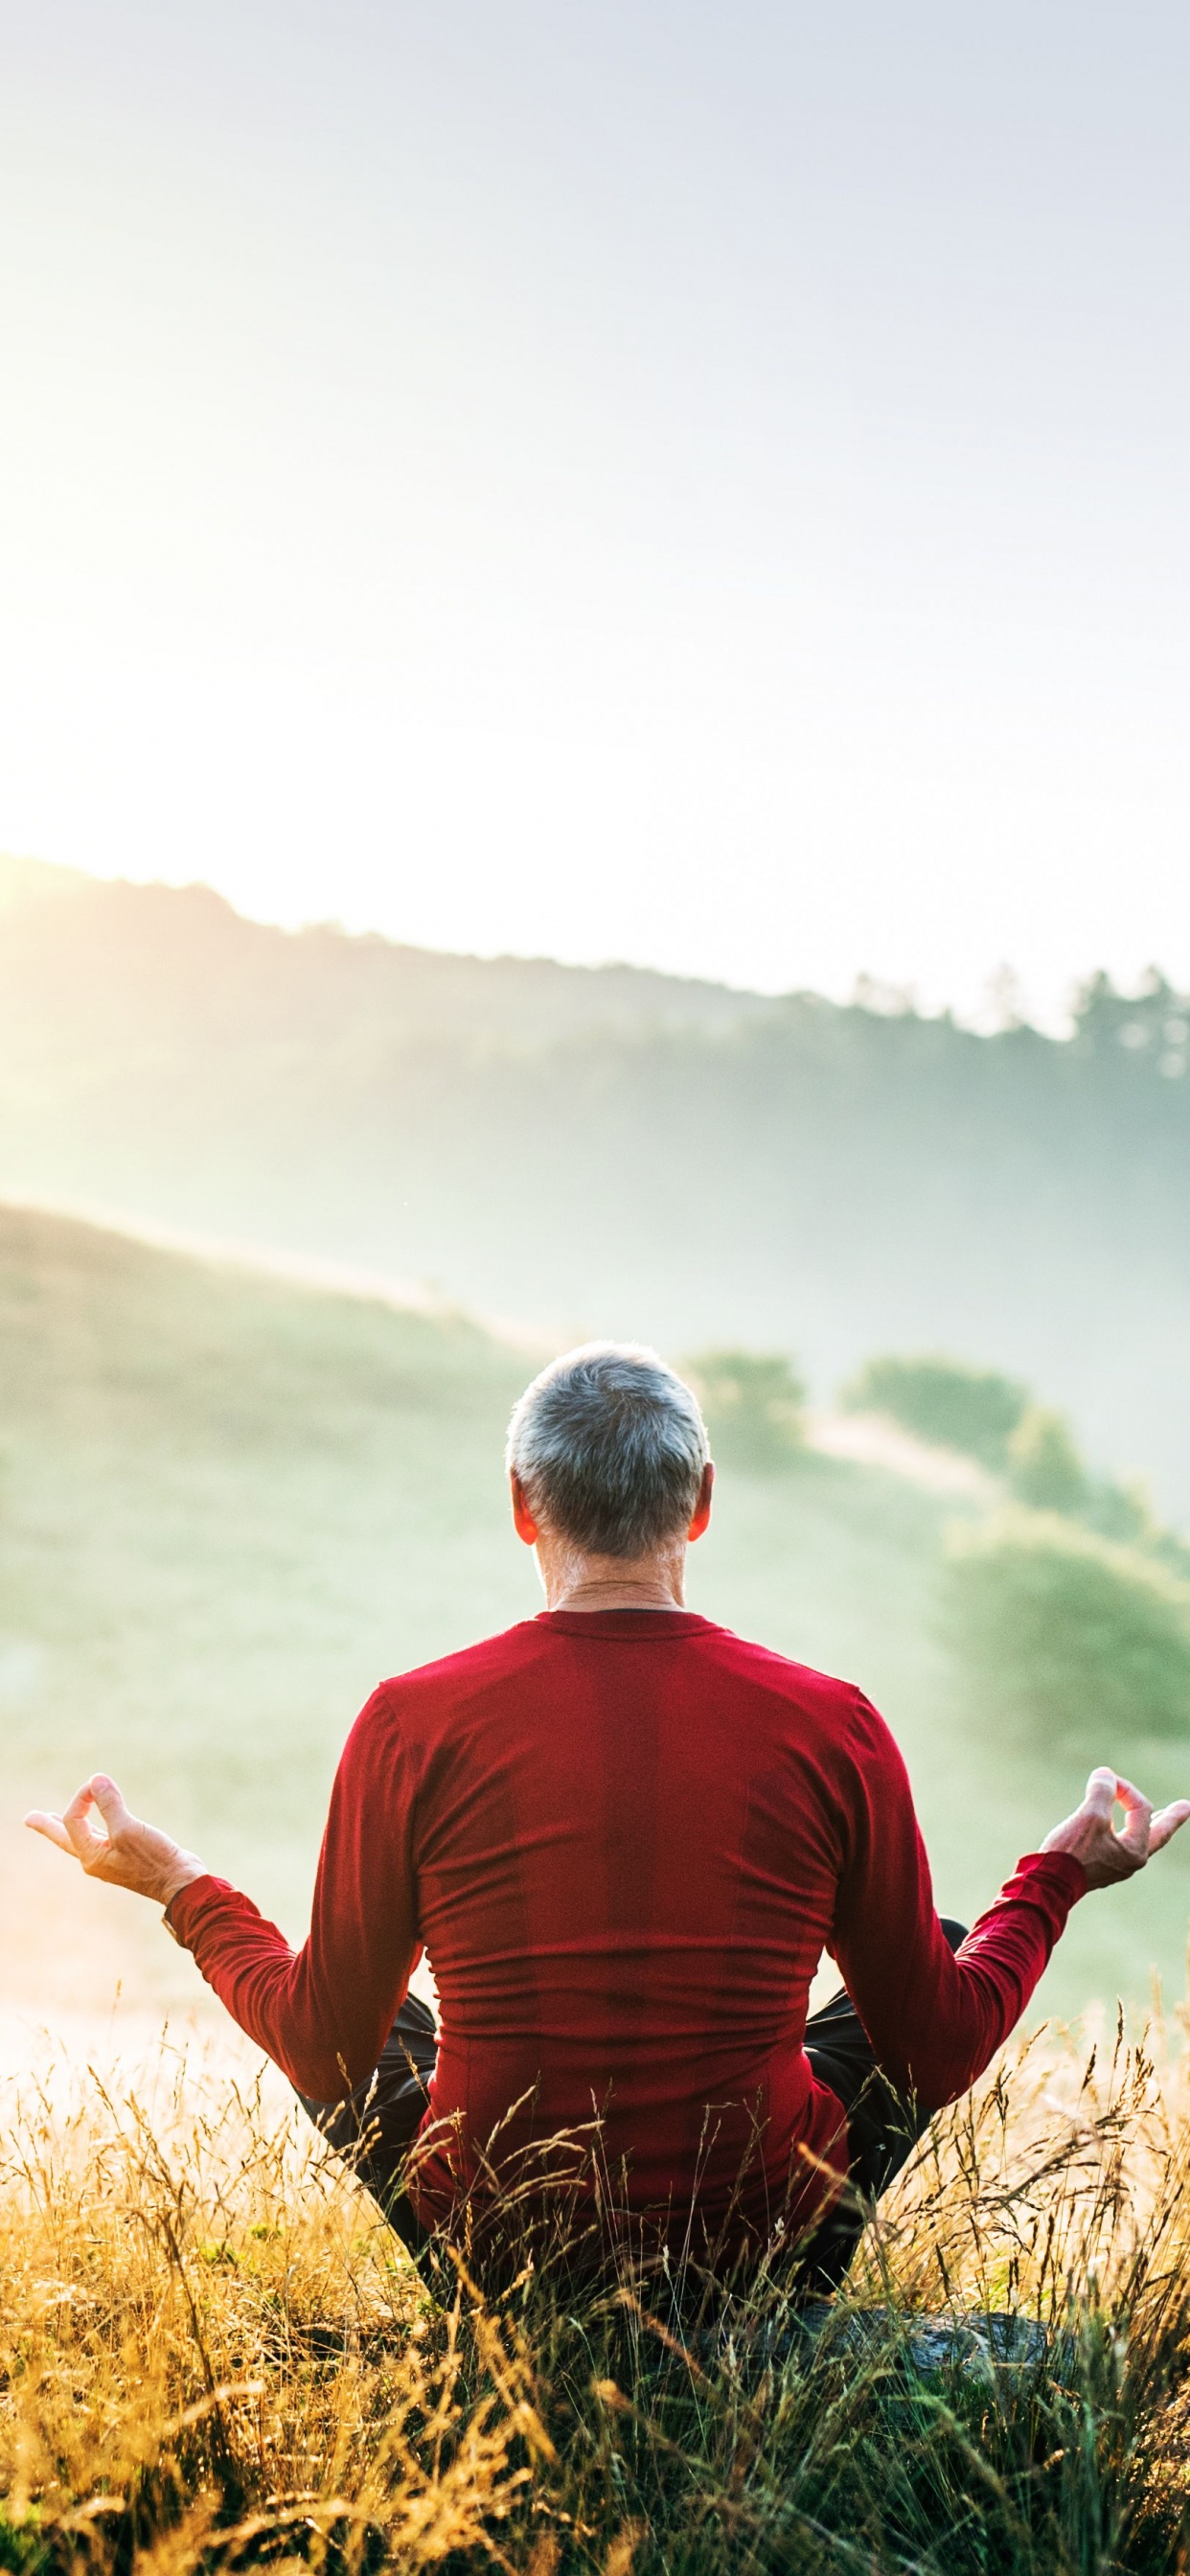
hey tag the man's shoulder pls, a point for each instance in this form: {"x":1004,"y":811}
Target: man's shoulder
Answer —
{"x":495,"y":1659}
{"x":452,"y":1678}
{"x":834,"y":1708}
{"x":770,"y":1670}
{"x":475,"y":1679}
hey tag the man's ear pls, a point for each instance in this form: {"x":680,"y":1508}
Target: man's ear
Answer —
{"x":522,"y":1518}
{"x":702,"y":1508}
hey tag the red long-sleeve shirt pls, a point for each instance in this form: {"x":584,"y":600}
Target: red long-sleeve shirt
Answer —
{"x":625,"y":1839}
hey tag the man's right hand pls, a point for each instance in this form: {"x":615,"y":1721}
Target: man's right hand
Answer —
{"x":1090,"y":1836}
{"x":127,"y":1853}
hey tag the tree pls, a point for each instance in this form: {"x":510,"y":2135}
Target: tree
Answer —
{"x":754,"y":1402}
{"x":973,"y":1410}
{"x":1044,"y":1466}
{"x":1064,"y":1637}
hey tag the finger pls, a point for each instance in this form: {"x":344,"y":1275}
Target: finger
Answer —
{"x":85,"y":1843}
{"x":52,"y":1827}
{"x":79,"y":1806}
{"x":1168,"y":1823}
{"x":117,"y":1816}
{"x":1101,"y":1793}
{"x":1138,"y":1810}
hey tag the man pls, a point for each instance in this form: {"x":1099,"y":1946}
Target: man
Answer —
{"x":624,"y":1837}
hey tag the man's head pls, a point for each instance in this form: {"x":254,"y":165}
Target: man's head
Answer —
{"x":607,"y":1453}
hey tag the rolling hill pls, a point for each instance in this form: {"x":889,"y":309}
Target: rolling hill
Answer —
{"x":619,"y":1151}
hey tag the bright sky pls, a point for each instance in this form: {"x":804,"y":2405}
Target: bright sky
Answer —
{"x":697,"y":481}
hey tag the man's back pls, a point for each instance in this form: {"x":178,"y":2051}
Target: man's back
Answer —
{"x":624,"y":1839}
{"x":627,"y":1836}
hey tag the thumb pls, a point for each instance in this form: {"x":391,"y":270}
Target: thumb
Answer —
{"x":1168,"y":1823}
{"x":116,"y":1814}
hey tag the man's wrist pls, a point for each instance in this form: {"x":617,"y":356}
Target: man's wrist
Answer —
{"x":187,"y":1870}
{"x":1069,"y":1870}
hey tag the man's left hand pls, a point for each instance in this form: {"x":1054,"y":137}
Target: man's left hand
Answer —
{"x":127,"y":1853}
{"x":1090,"y":1836}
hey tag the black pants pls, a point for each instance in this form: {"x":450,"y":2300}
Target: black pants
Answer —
{"x":883,"y":2127}
{"x":377,"y":2124}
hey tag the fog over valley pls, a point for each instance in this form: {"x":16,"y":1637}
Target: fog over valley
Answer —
{"x":580,"y":1151}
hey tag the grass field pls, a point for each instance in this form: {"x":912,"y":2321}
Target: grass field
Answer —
{"x":213,"y":2356}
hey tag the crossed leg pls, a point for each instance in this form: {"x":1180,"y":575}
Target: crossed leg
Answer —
{"x":377,"y":2124}
{"x":882,"y":2127}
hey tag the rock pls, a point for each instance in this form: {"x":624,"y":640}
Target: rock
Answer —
{"x":980,"y":2344}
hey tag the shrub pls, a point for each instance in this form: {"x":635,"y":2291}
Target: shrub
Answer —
{"x":754,"y":1403}
{"x":973,"y":1410}
{"x":1125,"y":1512}
{"x":1044,"y":1466}
{"x":1066,"y":1635}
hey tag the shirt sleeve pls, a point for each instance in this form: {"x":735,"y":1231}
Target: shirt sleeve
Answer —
{"x":323,"y":2012}
{"x":935,"y":2018}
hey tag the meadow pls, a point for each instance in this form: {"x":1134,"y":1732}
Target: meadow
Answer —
{"x":213,"y":2356}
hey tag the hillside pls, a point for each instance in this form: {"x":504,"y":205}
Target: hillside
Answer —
{"x":620,"y":1151}
{"x":196,"y":976}
{"x":229,"y":1505}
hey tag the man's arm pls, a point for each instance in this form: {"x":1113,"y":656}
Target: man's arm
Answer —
{"x":935,"y":2020}
{"x":323,"y":2012}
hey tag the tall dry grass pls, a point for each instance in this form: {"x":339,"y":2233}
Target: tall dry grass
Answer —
{"x":212,"y":2354}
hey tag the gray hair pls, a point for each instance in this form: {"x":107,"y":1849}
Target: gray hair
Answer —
{"x":610,"y":1447}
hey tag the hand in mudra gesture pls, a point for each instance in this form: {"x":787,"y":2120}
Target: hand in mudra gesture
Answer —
{"x":1090,"y":1833}
{"x":126,"y":1853}
{"x":137,"y":1856}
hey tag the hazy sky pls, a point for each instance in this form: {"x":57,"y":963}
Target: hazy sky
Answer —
{"x":699,"y":483}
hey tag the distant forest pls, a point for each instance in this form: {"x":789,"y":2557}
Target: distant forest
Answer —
{"x":616,"y":1151}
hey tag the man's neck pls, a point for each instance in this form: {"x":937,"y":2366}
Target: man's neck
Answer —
{"x":575,"y":1582}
